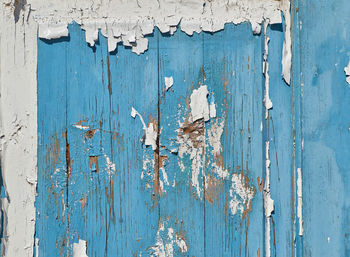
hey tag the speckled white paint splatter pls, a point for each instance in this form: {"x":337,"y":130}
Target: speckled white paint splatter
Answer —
{"x":240,"y":193}
{"x":166,"y":241}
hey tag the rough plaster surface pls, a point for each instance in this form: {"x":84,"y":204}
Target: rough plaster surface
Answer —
{"x":120,"y":21}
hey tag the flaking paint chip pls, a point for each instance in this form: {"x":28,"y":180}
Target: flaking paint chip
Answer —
{"x":169,"y":81}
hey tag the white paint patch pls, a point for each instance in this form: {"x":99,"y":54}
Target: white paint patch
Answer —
{"x":166,"y":242}
{"x":256,"y":28}
{"x":347,"y":73}
{"x":214,"y":136}
{"x":79,"y":249}
{"x":53,"y":31}
{"x":241,"y":194}
{"x":169,"y":81}
{"x":212,"y":107}
{"x":79,"y":126}
{"x":149,"y":137}
{"x":18,"y":130}
{"x":300,"y":202}
{"x":199,"y":104}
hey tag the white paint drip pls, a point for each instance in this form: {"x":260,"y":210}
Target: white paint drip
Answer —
{"x":199,"y":104}
{"x":166,"y":241}
{"x":240,"y":193}
{"x":79,"y":249}
{"x":169,"y":81}
{"x":267,"y":100}
{"x":149,"y":133}
{"x":347,"y":73}
{"x":268,"y":202}
{"x":287,"y":42}
{"x":300,"y":202}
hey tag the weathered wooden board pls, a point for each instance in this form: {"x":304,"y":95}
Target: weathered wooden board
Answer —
{"x":322,"y":35}
{"x":199,"y":191}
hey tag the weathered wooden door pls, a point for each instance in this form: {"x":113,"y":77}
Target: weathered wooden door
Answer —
{"x":174,"y":153}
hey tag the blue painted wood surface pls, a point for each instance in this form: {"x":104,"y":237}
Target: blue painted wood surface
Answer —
{"x":99,"y":183}
{"x":322,"y":99}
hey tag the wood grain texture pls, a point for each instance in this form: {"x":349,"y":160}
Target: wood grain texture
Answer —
{"x":98,"y":182}
{"x":323,"y":103}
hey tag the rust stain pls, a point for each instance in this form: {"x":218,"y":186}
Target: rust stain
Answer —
{"x":162,"y":158}
{"x":109,"y":77}
{"x":56,"y":148}
{"x":83,"y":201}
{"x":258,"y":252}
{"x":212,"y":189}
{"x":158,"y":163}
{"x":93,"y":160}
{"x":195,"y":131}
{"x":204,"y":76}
{"x":120,"y":140}
{"x":219,"y":160}
{"x":260,"y":184}
{"x":80,"y":122}
{"x":90,"y":133}
{"x":110,"y":199}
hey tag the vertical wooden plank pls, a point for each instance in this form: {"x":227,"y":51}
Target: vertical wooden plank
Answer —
{"x":134,"y":83}
{"x":233,"y":68}
{"x":51,"y":222}
{"x":109,"y":206}
{"x":324,"y":96}
{"x":278,"y":129}
{"x":89,"y":140}
{"x":181,"y":204}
